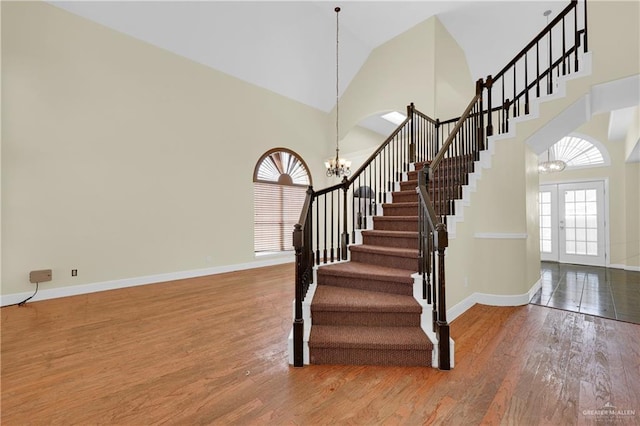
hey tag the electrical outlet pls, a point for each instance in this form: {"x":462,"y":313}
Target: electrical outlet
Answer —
{"x":40,"y":276}
{"x":74,"y":272}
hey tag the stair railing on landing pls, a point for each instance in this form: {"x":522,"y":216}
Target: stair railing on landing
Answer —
{"x":535,"y":70}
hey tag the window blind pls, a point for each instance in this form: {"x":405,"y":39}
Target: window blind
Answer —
{"x":277,"y":209}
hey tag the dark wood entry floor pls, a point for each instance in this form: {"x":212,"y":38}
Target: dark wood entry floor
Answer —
{"x":604,"y":292}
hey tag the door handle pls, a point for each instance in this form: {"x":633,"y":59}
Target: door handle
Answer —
{"x":561,"y":224}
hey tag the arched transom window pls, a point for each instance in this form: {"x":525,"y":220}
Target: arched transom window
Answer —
{"x":576,"y":152}
{"x":281,"y":179}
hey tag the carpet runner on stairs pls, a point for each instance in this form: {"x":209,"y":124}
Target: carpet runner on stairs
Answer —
{"x":363,"y":311}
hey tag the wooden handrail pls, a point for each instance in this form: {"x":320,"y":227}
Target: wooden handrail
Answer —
{"x":426,"y":200}
{"x":371,"y":158}
{"x":539,"y":37}
{"x":378,"y":151}
{"x":426,"y":117}
{"x":438,"y":158}
{"x":297,"y":236}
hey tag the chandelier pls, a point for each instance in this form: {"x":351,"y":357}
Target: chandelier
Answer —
{"x":337,"y":166}
{"x":551,"y":166}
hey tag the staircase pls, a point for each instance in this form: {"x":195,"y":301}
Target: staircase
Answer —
{"x":363,"y":311}
{"x":366,"y":303}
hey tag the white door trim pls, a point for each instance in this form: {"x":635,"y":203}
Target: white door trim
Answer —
{"x":607,"y":233}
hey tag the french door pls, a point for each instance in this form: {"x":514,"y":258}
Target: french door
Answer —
{"x":572,"y":223}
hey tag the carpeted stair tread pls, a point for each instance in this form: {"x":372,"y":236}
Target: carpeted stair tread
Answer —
{"x":330,"y":298}
{"x":408,"y":194}
{"x":362,"y":337}
{"x":402,"y":203}
{"x":391,"y":234}
{"x":395,"y":223}
{"x":390,"y":251}
{"x":396,"y":218}
{"x":394,"y":257}
{"x":359,"y":270}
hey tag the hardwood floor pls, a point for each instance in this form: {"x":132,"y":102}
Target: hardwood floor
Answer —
{"x":212,"y":350}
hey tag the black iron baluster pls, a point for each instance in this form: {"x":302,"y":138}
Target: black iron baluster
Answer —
{"x":537,"y":69}
{"x":576,"y":35}
{"x":338,"y":238}
{"x":317,"y":231}
{"x":324,"y":201}
{"x":564,"y":49}
{"x":550,"y":78}
{"x":515,"y":93}
{"x":345,"y":231}
{"x":526,"y":84}
{"x":586,"y":44}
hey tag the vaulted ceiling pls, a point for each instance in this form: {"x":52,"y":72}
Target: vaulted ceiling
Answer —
{"x":289,"y":47}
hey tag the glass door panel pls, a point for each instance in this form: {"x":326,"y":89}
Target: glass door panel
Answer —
{"x":572,"y":225}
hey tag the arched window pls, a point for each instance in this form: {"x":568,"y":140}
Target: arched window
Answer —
{"x":577,"y":151}
{"x":281,"y":179}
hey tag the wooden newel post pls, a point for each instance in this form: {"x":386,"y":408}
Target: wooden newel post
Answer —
{"x":412,"y":136}
{"x":345,"y":217}
{"x":442,"y":329}
{"x":298,"y":321}
{"x":480,"y":145}
{"x":489,"y":86}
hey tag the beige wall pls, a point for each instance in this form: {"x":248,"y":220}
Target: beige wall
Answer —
{"x":122,"y":160}
{"x":453,"y":87}
{"x":614,"y":37}
{"x":424,"y":65}
{"x":633,"y":134}
{"x":490,"y":238}
{"x":396,"y":73}
{"x":632,"y":200}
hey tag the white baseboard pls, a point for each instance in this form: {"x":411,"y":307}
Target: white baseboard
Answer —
{"x":492,"y":300}
{"x":625,"y":267}
{"x":54,"y":293}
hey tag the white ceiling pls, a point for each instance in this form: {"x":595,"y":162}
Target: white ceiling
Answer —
{"x":288,"y":47}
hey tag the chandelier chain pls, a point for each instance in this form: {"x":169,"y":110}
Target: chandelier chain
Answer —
{"x":337,"y":10}
{"x":337,"y":166}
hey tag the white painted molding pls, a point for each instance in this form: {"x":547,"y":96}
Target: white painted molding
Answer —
{"x":492,"y":300}
{"x":625,"y":267}
{"x":461,"y":307}
{"x":427,"y":326}
{"x":501,"y":235}
{"x":75,"y":290}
